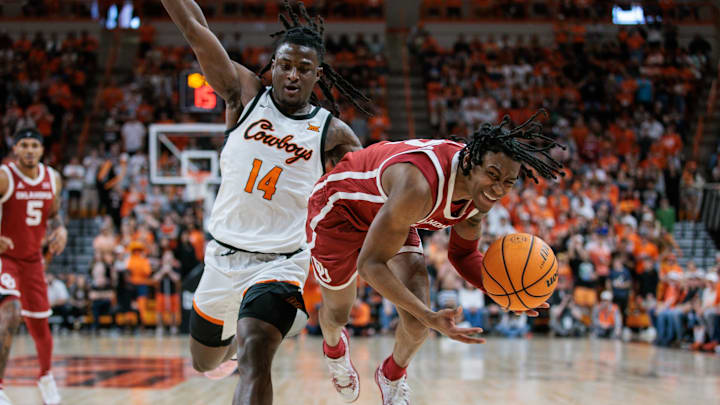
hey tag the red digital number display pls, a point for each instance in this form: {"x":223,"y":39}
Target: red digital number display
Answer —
{"x":205,"y":97}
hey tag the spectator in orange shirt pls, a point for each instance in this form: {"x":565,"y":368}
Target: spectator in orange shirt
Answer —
{"x":138,"y":267}
{"x":197,"y":240}
{"x":606,"y":318}
{"x":668,"y":326}
{"x":671,"y":143}
{"x":360,"y":317}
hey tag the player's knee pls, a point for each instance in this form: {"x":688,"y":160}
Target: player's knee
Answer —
{"x":10,"y":314}
{"x":255,"y":356}
{"x":337,"y":316}
{"x":201,"y":364}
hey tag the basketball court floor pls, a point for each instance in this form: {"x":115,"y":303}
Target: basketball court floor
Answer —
{"x":150,"y":370}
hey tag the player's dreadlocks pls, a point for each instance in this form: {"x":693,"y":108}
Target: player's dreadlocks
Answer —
{"x":310,"y":34}
{"x":500,"y":138}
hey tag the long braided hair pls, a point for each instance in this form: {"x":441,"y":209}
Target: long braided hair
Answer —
{"x":310,"y":34}
{"x":525,"y":144}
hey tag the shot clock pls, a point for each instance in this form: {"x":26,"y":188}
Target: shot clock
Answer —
{"x":196,"y":95}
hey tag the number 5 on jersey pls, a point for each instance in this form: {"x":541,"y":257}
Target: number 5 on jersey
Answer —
{"x":267,"y":183}
{"x":34,"y":213}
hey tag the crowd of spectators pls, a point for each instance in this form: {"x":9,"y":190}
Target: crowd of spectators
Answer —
{"x":256,"y":9}
{"x":44,"y":83}
{"x":622,"y":103}
{"x":587,"y":10}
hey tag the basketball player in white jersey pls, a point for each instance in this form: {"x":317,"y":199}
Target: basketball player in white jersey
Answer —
{"x":278,"y":145}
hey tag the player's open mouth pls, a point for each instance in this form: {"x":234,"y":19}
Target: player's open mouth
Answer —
{"x":488,"y":197}
{"x":292,"y":89}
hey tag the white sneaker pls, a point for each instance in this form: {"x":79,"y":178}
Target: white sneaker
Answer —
{"x":393,"y":392}
{"x":49,"y":390}
{"x":344,"y":376}
{"x":223,"y":370}
{"x":4,"y":400}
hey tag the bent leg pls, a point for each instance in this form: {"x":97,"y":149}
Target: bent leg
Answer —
{"x":257,"y":344}
{"x":206,"y":347}
{"x":334,"y":313}
{"x":411,"y":333}
{"x":269,"y":312}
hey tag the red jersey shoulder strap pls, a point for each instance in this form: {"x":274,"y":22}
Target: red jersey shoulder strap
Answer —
{"x":11,"y":184}
{"x":428,"y":163}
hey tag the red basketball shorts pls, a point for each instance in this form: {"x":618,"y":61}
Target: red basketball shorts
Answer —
{"x":25,"y":280}
{"x":336,"y":249}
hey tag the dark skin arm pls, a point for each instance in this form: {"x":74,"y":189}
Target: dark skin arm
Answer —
{"x":235,"y":83}
{"x":5,"y":242}
{"x":409,"y":200}
{"x":58,"y":234}
{"x":340,"y":140}
{"x":471,"y":229}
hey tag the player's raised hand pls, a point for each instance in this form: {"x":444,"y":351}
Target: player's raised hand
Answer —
{"x":5,"y":244}
{"x":532,"y":312}
{"x":443,"y":321}
{"x":57,"y":240}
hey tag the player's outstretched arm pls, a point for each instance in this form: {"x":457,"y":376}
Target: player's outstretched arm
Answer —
{"x":5,"y":242}
{"x":233,"y":82}
{"x":340,"y":140}
{"x":409,"y":200}
{"x":58,"y":232}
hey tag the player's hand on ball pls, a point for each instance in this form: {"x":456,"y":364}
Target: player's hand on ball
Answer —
{"x":57,"y":240}
{"x":533,"y":312}
{"x":5,"y":244}
{"x":443,"y":321}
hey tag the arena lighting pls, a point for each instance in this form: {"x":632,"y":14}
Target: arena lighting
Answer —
{"x":122,"y":18}
{"x":628,"y":16}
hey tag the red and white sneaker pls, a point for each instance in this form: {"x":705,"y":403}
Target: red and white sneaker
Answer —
{"x":4,"y":400}
{"x":223,"y":370}
{"x":393,"y":392}
{"x":48,"y":390}
{"x":344,"y":376}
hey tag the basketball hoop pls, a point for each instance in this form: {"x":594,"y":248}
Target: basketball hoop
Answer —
{"x":196,"y":185}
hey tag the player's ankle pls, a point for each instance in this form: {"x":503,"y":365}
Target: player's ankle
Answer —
{"x":334,"y":352}
{"x":391,"y":370}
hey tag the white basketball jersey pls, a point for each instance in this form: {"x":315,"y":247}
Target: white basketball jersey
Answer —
{"x":269,"y":165}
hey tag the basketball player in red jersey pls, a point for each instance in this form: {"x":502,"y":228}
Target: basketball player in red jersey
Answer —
{"x":29,"y":203}
{"x":362,"y":219}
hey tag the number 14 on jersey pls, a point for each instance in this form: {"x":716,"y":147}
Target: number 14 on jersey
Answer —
{"x":267,"y":184}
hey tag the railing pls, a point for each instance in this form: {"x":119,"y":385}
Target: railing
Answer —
{"x":710,"y":210}
{"x":699,"y":131}
{"x":683,"y":12}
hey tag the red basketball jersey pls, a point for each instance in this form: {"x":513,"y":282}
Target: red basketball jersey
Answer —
{"x":352,"y":189}
{"x":24,"y":210}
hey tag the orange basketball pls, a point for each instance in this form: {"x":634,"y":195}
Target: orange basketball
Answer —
{"x":519,"y":271}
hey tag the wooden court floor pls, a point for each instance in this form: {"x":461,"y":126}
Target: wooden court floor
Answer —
{"x":149,"y":370}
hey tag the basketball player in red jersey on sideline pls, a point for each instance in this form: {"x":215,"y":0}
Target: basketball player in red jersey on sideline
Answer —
{"x":362,"y":219}
{"x":29,"y":203}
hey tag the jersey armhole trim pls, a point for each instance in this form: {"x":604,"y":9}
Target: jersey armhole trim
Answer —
{"x":438,"y":169}
{"x":52,"y":174}
{"x":323,"y":137}
{"x":11,"y":185}
{"x":247,"y":112}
